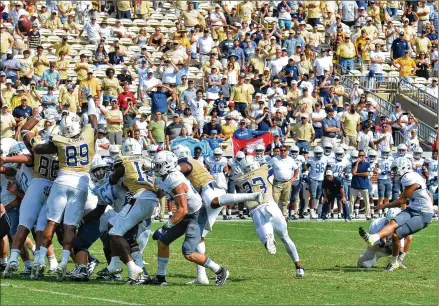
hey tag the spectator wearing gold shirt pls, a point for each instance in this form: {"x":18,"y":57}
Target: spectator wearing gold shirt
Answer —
{"x":8,"y":92}
{"x":70,"y":25}
{"x":43,"y":15}
{"x":421,"y":44}
{"x":70,"y":98}
{"x":81,"y":68}
{"x":370,"y":28}
{"x":6,"y":41}
{"x":346,"y":53}
{"x":245,"y":10}
{"x":40,"y":63}
{"x":405,"y":65}
{"x":192,"y":17}
{"x":53,"y":23}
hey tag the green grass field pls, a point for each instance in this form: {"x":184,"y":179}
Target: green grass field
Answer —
{"x":328,"y":250}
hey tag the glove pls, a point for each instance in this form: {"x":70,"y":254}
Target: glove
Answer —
{"x":159,"y":233}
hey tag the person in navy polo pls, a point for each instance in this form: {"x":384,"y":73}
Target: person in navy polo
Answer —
{"x":360,"y":183}
{"x":398,"y":47}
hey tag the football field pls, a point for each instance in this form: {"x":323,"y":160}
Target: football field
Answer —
{"x":329,"y":252}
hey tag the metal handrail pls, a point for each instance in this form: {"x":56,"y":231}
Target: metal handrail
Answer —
{"x":418,"y":95}
{"x":424,"y":130}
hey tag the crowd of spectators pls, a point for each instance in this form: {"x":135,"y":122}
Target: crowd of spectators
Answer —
{"x":165,"y":70}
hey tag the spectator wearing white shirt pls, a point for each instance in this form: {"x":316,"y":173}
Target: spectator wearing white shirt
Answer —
{"x":394,"y":120}
{"x":205,"y":44}
{"x":93,"y":30}
{"x":377,"y":59}
{"x":383,"y":138}
{"x":17,"y":12}
{"x":432,"y":89}
{"x":148,"y":83}
{"x":217,"y":20}
{"x":412,"y":142}
{"x":278,"y":107}
{"x":317,"y":117}
{"x":412,"y":124}
{"x":348,"y":11}
{"x":333,"y":28}
{"x":356,"y":92}
{"x":286,"y":173}
{"x":169,"y":72}
{"x":277,"y":63}
{"x":102,"y":144}
{"x":273,"y":93}
{"x":365,"y":138}
{"x":198,"y":108}
{"x":321,"y":64}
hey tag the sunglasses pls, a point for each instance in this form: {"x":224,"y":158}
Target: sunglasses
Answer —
{"x":283,"y":150}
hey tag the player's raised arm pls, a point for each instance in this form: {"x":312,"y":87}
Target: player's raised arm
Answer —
{"x":118,"y":172}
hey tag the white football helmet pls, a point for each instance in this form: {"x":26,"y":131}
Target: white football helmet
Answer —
{"x":114,"y":150}
{"x":6,"y":144}
{"x":354,"y":156}
{"x":99,"y":171}
{"x":164,"y":163}
{"x":372,"y":156}
{"x":401,"y":166}
{"x":328,"y":148}
{"x":401,"y":150}
{"x":318,"y":152}
{"x":249,"y":163}
{"x":385,"y":153}
{"x":344,"y":146}
{"x":181,"y":151}
{"x":152,"y":149}
{"x":392,"y":212}
{"x":294,"y":151}
{"x":339,"y":153}
{"x":70,"y":125}
{"x":240,"y":155}
{"x":259,"y":150}
{"x":131,"y":147}
{"x":217,"y":154}
{"x":417,"y":153}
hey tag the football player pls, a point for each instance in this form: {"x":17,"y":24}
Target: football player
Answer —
{"x":213,"y":198}
{"x":431,"y":164}
{"x":328,"y":151}
{"x":260,"y":156}
{"x":382,"y":248}
{"x":266,"y":215}
{"x":339,"y":167}
{"x":317,"y":167}
{"x":217,"y":166}
{"x":418,"y":161}
{"x":33,"y":207}
{"x":372,"y":160}
{"x":189,"y":219}
{"x":75,"y":149}
{"x":297,"y":185}
{"x":384,"y":182}
{"x":235,"y":171}
{"x":140,"y":202}
{"x":412,"y":219}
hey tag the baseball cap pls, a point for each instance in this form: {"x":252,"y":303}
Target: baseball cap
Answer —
{"x":401,"y":33}
{"x":305,"y":89}
{"x":397,"y":105}
{"x":276,"y":134}
{"x":113,"y":101}
{"x":90,"y":70}
{"x":102,"y":131}
{"x":369,"y":19}
{"x":304,"y":116}
{"x":329,"y":172}
{"x":434,"y":80}
{"x":2,"y":74}
{"x":357,"y":82}
{"x":20,"y":88}
{"x":9,"y":81}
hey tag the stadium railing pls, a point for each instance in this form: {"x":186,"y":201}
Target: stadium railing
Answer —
{"x":418,"y":95}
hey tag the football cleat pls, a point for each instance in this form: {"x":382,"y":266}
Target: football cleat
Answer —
{"x":270,"y":244}
{"x":26,"y":272}
{"x":91,"y":266}
{"x":159,"y":280}
{"x":391,"y":267}
{"x":242,"y":217}
{"x":2,"y":267}
{"x":115,"y":269}
{"x":135,"y":274}
{"x":81,"y":274}
{"x":365,"y":235}
{"x":198,"y":281}
{"x":61,"y":272}
{"x":300,"y":272}
{"x":292,"y":218}
{"x":103,"y":272}
{"x":10,"y":268}
{"x":221,"y":276}
{"x":313,"y":215}
{"x":37,"y":271}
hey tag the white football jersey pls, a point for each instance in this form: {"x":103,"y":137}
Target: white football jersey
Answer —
{"x":92,"y":200}
{"x":175,"y":179}
{"x":420,"y":199}
{"x":300,"y":161}
{"x":371,"y":168}
{"x":24,"y":176}
{"x":235,"y":169}
{"x":384,"y":166}
{"x":432,"y":167}
{"x":317,"y":168}
{"x":262,"y":160}
{"x":112,"y":195}
{"x":216,"y":166}
{"x":417,"y":165}
{"x":330,"y":156}
{"x":338,"y":167}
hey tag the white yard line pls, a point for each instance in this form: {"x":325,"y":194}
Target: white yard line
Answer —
{"x":67,"y":294}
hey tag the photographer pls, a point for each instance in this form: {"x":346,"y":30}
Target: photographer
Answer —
{"x":264,"y":121}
